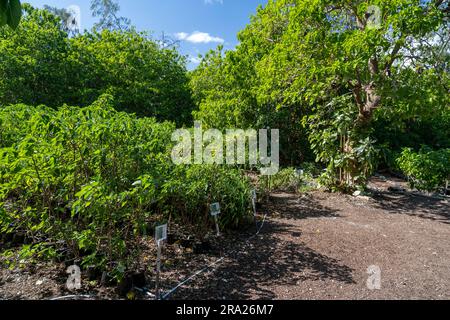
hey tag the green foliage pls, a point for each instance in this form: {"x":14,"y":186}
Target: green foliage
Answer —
{"x":298,"y":59}
{"x":351,"y":155}
{"x":32,"y":61}
{"x":225,"y":88}
{"x":40,"y":64}
{"x":287,"y":179}
{"x":394,"y":134}
{"x":89,"y":181}
{"x":10,"y":13}
{"x":292,"y":180}
{"x":427,"y":169}
{"x":108,"y":11}
{"x":143,"y":78}
{"x":192,"y":189}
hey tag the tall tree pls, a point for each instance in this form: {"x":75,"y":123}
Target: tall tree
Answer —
{"x":69,"y":19}
{"x":144,"y":78}
{"x":107,"y":11}
{"x":40,"y":64}
{"x":33,"y":68}
{"x":340,"y":64}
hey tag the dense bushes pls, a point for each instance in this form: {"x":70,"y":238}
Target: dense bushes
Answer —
{"x":40,"y":64}
{"x":89,"y":181}
{"x":143,"y":78}
{"x":32,"y":61}
{"x":427,"y":169}
{"x":86,"y":183}
{"x":334,"y":85}
{"x":292,"y":179}
{"x":191,"y":189}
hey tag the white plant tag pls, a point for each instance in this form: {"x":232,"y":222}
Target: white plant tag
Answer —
{"x":215,"y":209}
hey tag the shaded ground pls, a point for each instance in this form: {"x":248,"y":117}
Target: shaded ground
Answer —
{"x":320,"y":246}
{"x":312,"y":246}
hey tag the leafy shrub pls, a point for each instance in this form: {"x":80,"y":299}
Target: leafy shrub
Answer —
{"x":351,"y":154}
{"x":293,"y":180}
{"x":427,"y":169}
{"x":286,"y":180}
{"x":44,"y":65}
{"x":394,"y":133}
{"x":88,"y":181}
{"x":190,"y":190}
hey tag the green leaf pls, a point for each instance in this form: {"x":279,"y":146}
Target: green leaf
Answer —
{"x":14,"y":13}
{"x":3,"y":16}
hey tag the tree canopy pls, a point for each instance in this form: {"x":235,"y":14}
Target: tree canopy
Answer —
{"x":348,"y":83}
{"x":337,"y":68}
{"x":108,"y":12}
{"x":41,"y":64}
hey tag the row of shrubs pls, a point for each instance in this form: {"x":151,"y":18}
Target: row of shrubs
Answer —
{"x":86,"y":183}
{"x":427,"y":169}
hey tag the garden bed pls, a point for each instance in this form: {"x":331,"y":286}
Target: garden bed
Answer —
{"x":312,"y":246}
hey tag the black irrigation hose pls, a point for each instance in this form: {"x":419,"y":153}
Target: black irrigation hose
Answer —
{"x":182,"y":283}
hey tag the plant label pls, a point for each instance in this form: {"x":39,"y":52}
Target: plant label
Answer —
{"x":215,"y":209}
{"x":160,"y":236}
{"x":254,"y":202}
{"x":161,"y":233}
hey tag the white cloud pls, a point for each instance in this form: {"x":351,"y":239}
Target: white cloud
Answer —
{"x":198,"y":37}
{"x":213,"y":1}
{"x":181,"y":35}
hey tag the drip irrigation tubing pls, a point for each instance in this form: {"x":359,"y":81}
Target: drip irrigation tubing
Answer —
{"x":210,"y":266}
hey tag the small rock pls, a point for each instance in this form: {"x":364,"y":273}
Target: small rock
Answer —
{"x":357,"y":193}
{"x":39,"y":282}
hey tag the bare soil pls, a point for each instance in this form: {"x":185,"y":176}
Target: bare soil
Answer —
{"x":312,"y":246}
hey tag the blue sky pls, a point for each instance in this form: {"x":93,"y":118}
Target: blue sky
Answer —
{"x":199,"y":24}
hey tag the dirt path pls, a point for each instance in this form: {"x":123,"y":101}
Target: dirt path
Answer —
{"x":319,"y":246}
{"x":313,"y":246}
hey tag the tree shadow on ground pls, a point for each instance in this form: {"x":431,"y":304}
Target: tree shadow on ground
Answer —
{"x":424,"y":207}
{"x":253,"y":268}
{"x":293,"y":207}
